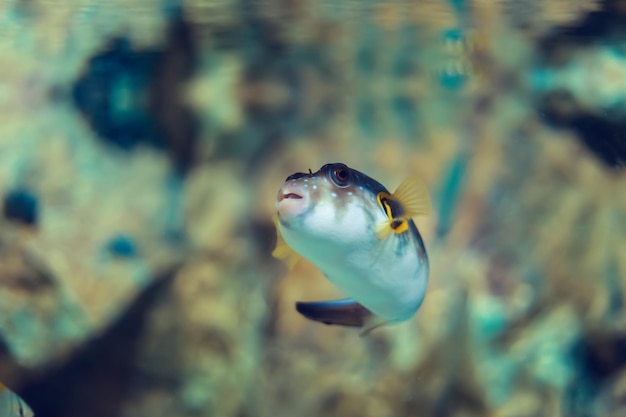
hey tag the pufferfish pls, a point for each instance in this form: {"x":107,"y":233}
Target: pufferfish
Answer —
{"x":362,"y":238}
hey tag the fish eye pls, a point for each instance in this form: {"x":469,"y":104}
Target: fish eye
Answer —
{"x":341,"y":176}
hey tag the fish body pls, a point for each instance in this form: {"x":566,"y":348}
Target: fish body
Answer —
{"x":361,"y":237}
{"x":11,"y":405}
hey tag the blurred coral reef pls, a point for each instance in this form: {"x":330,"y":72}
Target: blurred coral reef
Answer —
{"x":142,"y":144}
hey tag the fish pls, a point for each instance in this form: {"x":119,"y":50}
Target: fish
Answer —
{"x":362,"y":238}
{"x":11,"y":405}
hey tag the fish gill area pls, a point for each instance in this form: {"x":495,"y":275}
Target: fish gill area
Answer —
{"x":142,"y":143}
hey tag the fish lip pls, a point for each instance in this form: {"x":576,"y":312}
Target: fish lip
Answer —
{"x":292,"y":199}
{"x":289,"y":195}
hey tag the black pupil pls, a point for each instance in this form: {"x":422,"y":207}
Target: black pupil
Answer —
{"x":342,"y":174}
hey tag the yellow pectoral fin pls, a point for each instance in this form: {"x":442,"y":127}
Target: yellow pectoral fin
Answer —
{"x":283,"y":251}
{"x":287,"y":255}
{"x":383,"y":229}
{"x":398,"y":225}
{"x":413,"y":196}
{"x":382,"y":198}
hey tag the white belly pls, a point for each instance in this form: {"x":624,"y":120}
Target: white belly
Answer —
{"x":390,"y":286}
{"x":388,"y":277}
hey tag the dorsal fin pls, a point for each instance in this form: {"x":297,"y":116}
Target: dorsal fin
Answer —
{"x":413,"y":196}
{"x":283,"y":251}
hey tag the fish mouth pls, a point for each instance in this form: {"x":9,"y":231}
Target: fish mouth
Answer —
{"x":291,"y":201}
{"x":290,"y":195}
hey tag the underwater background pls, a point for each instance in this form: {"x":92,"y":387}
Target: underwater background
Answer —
{"x":142,"y":144}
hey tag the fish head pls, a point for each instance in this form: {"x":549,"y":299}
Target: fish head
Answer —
{"x":328,"y":210}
